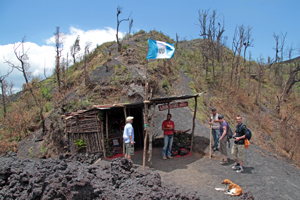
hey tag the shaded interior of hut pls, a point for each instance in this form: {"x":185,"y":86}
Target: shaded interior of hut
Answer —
{"x":113,"y":127}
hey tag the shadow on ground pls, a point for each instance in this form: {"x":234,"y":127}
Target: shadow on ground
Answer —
{"x":168,"y":165}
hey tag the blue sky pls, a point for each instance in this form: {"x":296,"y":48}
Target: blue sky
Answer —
{"x":95,"y":21}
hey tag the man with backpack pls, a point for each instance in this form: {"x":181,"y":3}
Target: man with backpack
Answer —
{"x":238,"y":146}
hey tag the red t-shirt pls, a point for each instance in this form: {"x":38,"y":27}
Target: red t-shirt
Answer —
{"x":168,"y":124}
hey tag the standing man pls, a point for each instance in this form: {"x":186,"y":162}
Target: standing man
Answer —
{"x":215,"y":123}
{"x":168,"y":127}
{"x":238,"y":146}
{"x":128,"y":136}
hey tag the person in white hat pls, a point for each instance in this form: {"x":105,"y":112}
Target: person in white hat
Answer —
{"x":128,"y":136}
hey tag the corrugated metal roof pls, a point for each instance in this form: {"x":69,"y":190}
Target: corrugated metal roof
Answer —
{"x":138,"y":104}
{"x":169,"y":99}
{"x":117,"y":105}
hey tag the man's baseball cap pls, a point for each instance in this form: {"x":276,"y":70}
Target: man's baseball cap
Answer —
{"x":129,"y":118}
{"x":220,"y":116}
{"x":213,"y":109}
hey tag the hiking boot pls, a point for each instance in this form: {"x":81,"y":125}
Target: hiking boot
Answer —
{"x":170,"y":157}
{"x":241,"y":169}
{"x":236,"y":167}
{"x":165,"y":158}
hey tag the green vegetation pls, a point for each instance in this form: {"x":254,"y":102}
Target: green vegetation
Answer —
{"x":46,"y":93}
{"x":31,"y":154}
{"x":16,"y":138}
{"x":44,"y":150}
{"x":80,"y":144}
{"x":233,"y":86}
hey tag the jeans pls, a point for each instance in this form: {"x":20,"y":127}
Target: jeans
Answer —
{"x":215,"y":133}
{"x":168,"y":141}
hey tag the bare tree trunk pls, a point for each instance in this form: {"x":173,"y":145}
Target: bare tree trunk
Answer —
{"x":249,"y":73}
{"x":22,"y":57}
{"x":3,"y":97}
{"x":3,"y":89}
{"x":119,"y":11}
{"x":240,"y":45}
{"x":58,"y":45}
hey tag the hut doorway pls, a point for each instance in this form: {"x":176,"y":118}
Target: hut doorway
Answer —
{"x":113,"y":121}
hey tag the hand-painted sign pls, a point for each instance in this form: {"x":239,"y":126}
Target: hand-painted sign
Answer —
{"x":173,"y":105}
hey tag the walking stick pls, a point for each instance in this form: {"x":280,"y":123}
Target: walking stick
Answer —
{"x":210,"y":142}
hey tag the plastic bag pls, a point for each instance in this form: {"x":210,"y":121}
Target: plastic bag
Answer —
{"x":247,"y":143}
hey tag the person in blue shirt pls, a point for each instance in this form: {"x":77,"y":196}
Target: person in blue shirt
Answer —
{"x":128,"y":136}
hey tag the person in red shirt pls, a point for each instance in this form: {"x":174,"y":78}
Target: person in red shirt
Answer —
{"x":168,"y":128}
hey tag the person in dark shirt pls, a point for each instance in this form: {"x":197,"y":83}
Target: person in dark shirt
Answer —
{"x":238,"y":146}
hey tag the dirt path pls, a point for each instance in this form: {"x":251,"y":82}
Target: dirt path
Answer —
{"x":266,"y":176}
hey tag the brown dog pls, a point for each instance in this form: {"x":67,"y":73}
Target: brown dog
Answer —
{"x":231,"y":188}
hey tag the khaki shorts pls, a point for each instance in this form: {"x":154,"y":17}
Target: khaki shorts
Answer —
{"x":238,"y":152}
{"x":222,"y":146}
{"x":129,"y":150}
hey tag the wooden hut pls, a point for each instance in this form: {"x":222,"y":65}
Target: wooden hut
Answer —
{"x":94,"y":126}
{"x":85,"y":125}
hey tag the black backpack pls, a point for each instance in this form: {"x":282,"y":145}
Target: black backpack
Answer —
{"x":229,"y":131}
{"x":248,"y":133}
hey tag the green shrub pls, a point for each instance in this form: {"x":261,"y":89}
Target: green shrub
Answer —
{"x":16,"y":138}
{"x":46,"y":93}
{"x":44,"y":150}
{"x":48,"y":107}
{"x":31,"y":152}
{"x":80,"y":144}
{"x":165,"y":84}
{"x":141,"y":32}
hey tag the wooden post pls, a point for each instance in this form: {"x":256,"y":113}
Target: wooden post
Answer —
{"x":151,"y":136}
{"x":106,"y":125}
{"x":102,"y":138}
{"x":193,"y":129}
{"x":125,"y":115}
{"x":145,"y":125}
{"x":210,"y":142}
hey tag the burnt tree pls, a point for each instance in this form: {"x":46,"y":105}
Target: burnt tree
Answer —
{"x":3,"y":89}
{"x":75,"y":48}
{"x":211,"y":30}
{"x":293,"y":78}
{"x":130,"y":26}
{"x":58,"y":48}
{"x":22,"y":58}
{"x":119,"y":11}
{"x":86,"y":52}
{"x":247,"y":43}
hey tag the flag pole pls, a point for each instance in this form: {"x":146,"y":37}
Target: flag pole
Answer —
{"x":145,"y":119}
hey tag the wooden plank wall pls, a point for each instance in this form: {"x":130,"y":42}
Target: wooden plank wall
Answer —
{"x":87,"y":127}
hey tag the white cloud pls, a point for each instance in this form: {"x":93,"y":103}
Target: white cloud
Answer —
{"x":40,"y":56}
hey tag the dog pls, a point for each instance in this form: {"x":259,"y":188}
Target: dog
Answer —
{"x":231,"y":188}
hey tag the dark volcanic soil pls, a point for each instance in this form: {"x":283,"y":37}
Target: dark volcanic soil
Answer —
{"x":59,"y":179}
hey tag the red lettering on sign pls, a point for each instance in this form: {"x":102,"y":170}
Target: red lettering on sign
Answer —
{"x":173,"y":105}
